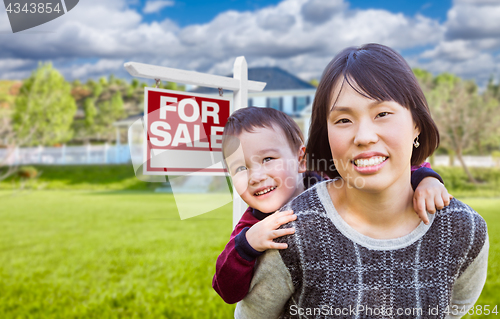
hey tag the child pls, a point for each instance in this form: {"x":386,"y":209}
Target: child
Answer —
{"x":264,"y":153}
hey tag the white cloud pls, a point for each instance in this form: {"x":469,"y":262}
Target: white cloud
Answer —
{"x":473,"y":20}
{"x":103,"y":66}
{"x":153,"y":6}
{"x":471,"y":42}
{"x":300,"y":36}
{"x":457,"y":50}
{"x":285,"y":34}
{"x":319,"y":11}
{"x":476,"y":2}
{"x":480,"y":67}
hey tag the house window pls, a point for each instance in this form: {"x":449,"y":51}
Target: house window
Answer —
{"x":300,"y":102}
{"x":250,"y":102}
{"x":275,"y":103}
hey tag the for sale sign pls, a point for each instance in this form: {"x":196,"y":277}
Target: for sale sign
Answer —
{"x":183,"y":133}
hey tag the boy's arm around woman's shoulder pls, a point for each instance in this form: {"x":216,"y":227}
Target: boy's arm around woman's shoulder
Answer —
{"x":234,"y":266}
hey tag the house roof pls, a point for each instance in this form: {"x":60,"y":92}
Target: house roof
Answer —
{"x":277,"y":80}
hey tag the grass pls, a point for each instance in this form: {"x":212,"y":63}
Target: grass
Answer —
{"x":68,"y":254}
{"x":86,"y":177}
{"x":121,"y":177}
{"x":126,"y":254}
{"x":489,"y":208}
{"x":80,"y":177}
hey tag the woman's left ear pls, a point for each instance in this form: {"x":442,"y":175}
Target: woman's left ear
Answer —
{"x":416,"y":131}
{"x":302,"y":159}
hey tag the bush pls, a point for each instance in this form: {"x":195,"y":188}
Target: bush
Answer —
{"x":83,"y":177}
{"x":27,"y":172}
{"x":457,"y":183}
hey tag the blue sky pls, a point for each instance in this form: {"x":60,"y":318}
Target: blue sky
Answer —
{"x":194,"y":12}
{"x":300,"y":36}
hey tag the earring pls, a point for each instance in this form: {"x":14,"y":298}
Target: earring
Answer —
{"x":416,"y":143}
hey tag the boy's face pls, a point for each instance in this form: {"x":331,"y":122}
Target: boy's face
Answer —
{"x":265,"y":171}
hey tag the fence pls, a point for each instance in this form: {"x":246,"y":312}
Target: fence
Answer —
{"x":67,"y":155}
{"x":120,"y":154}
{"x":470,"y":161}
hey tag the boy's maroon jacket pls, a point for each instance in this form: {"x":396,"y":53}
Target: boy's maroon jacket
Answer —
{"x":233,"y":272}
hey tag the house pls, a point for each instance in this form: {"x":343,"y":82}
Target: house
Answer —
{"x":284,"y":91}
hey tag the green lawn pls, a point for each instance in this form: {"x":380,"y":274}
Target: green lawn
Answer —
{"x":68,"y":254}
{"x":490,"y":210}
{"x":124,"y":254}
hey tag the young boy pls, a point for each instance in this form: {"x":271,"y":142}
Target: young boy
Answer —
{"x":264,"y":152}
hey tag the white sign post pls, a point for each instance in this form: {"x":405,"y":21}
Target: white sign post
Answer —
{"x":239,"y":84}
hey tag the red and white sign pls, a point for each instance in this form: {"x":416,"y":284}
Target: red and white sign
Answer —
{"x":183,"y":132}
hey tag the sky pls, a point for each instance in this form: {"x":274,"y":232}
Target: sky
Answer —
{"x":301,"y":36}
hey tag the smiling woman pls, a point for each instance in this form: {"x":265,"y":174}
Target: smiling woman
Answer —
{"x":358,"y":249}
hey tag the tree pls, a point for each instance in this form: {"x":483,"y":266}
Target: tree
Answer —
{"x":108,"y":111}
{"x":463,"y":115}
{"x":90,"y":112}
{"x":8,"y":140}
{"x":134,"y":83}
{"x":44,"y":108}
{"x":425,"y":79}
{"x":492,"y":91}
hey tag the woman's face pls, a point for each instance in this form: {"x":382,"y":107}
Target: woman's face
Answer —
{"x":371,"y":141}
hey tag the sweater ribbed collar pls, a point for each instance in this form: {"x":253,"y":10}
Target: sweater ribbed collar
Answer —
{"x":368,"y":242}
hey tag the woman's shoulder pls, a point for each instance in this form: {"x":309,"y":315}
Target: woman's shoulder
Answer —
{"x":463,"y":224}
{"x":462,"y":214}
{"x":309,"y":200}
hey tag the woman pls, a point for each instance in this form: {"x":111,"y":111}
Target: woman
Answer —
{"x":359,"y":250}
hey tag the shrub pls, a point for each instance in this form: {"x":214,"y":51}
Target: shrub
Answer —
{"x":27,"y":172}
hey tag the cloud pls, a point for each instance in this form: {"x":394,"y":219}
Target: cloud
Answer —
{"x":319,"y":11}
{"x":480,"y":67}
{"x":245,"y":33}
{"x":453,"y":51}
{"x":473,"y":20}
{"x":274,"y":21}
{"x":300,"y":36}
{"x":153,"y":6}
{"x":16,"y":68}
{"x":103,"y":66}
{"x":470,"y":44}
{"x":476,"y":2}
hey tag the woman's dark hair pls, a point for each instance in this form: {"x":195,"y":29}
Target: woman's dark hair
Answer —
{"x":376,"y":72}
{"x":251,"y":117}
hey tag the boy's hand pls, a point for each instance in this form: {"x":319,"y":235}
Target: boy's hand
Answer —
{"x":260,"y":236}
{"x":429,"y":195}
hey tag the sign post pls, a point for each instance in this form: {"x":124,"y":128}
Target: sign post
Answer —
{"x":239,"y":84}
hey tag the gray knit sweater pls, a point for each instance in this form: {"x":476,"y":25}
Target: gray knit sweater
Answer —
{"x":330,"y":270}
